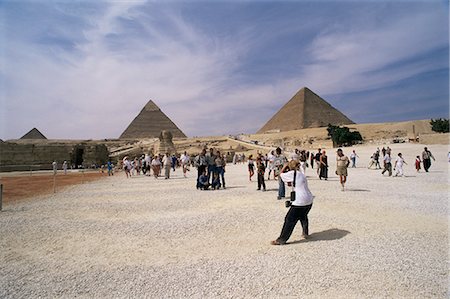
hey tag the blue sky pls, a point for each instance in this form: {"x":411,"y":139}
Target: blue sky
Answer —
{"x":84,"y":69}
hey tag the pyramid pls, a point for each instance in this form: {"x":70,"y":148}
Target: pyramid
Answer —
{"x":305,"y":110}
{"x":149,"y":123}
{"x":33,"y":134}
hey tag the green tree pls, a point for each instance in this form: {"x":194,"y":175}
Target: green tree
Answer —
{"x":342,"y":136}
{"x":440,"y":125}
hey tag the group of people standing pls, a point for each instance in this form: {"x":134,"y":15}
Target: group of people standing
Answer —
{"x":147,"y":164}
{"x":210,"y":169}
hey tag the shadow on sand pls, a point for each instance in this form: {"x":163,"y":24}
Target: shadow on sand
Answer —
{"x":357,"y":190}
{"x":326,"y":235}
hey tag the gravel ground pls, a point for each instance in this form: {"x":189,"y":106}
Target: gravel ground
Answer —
{"x":141,"y":237}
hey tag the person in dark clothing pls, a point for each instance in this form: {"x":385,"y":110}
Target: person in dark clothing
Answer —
{"x":260,"y":168}
{"x":323,"y":160}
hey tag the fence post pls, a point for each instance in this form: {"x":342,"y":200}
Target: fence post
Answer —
{"x":54,"y":183}
{"x":1,"y":196}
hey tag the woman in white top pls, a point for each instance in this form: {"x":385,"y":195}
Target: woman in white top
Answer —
{"x":156,"y":166}
{"x":399,"y":165}
{"x":300,"y":207}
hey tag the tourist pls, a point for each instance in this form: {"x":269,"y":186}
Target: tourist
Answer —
{"x":311,"y":160}
{"x":110,"y":167}
{"x":299,"y":208}
{"x":220,"y":168}
{"x":64,"y":166}
{"x":147,"y":164}
{"x":303,"y":161}
{"x":353,"y":157}
{"x":174,"y":162}
{"x":55,"y":167}
{"x":201,"y":164}
{"x":426,"y":158}
{"x":126,"y":166}
{"x":323,"y":173}
{"x":342,"y":163}
{"x":202,"y":182}
{"x":418,"y":161}
{"x":215,"y":185}
{"x":260,"y":168}
{"x":317,"y":158}
{"x":235,"y":158}
{"x":278,"y":163}
{"x":295,"y":155}
{"x":185,"y":161}
{"x":156,"y":166}
{"x":251,"y":167}
{"x":210,"y":157}
{"x":387,"y":164}
{"x":271,"y":160}
{"x":399,"y":165}
{"x":167,"y":163}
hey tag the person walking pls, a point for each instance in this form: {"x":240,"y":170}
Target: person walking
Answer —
{"x":127,"y":166}
{"x":271,"y":162}
{"x":317,"y":158}
{"x":260,"y":168}
{"x":417,"y":163}
{"x":110,"y":167}
{"x":353,"y":157}
{"x":399,"y":165}
{"x":342,"y":163}
{"x":185,"y":161}
{"x":387,"y":164}
{"x":426,"y":158}
{"x":156,"y":166}
{"x":55,"y":167}
{"x":64,"y":166}
{"x":299,"y":208}
{"x":323,"y":173}
{"x":278,"y":163}
{"x":167,"y":163}
{"x":251,"y":167}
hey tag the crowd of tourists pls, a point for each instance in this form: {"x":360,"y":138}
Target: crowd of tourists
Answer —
{"x":287,"y":170}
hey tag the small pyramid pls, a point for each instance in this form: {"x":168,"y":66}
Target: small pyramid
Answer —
{"x":33,"y":134}
{"x":149,"y":123}
{"x":305,"y":110}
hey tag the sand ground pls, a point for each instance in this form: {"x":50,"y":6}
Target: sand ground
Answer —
{"x":141,"y":237}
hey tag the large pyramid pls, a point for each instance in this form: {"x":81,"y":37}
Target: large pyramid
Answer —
{"x":33,"y":134}
{"x":149,"y":123}
{"x":305,"y":110}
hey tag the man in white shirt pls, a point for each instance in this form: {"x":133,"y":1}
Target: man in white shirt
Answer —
{"x":271,"y":160}
{"x":185,"y":160}
{"x":300,"y":207}
{"x":167,"y":162}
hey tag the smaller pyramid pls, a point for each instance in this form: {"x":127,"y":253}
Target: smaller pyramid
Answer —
{"x":305,"y":110}
{"x":149,"y":123}
{"x":34,"y":134}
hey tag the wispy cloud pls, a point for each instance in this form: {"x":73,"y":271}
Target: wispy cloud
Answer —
{"x":89,"y":76}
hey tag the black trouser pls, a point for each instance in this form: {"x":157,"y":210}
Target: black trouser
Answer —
{"x":426,"y":164}
{"x":294,"y":214}
{"x":261,"y":181}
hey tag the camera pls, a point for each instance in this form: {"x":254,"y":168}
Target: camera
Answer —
{"x":288,"y":203}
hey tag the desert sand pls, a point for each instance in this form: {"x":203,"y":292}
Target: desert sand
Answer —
{"x":141,"y":237}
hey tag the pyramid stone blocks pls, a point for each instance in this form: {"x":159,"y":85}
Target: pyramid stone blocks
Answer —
{"x":305,"y":110}
{"x":149,"y":123}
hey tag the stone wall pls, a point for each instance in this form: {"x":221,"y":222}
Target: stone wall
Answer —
{"x":39,"y":156}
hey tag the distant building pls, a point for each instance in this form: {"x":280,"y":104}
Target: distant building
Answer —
{"x":305,"y":110}
{"x":149,"y":123}
{"x":33,"y":134}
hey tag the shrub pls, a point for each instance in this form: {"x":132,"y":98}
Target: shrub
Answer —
{"x":341,"y":136}
{"x":440,"y":125}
